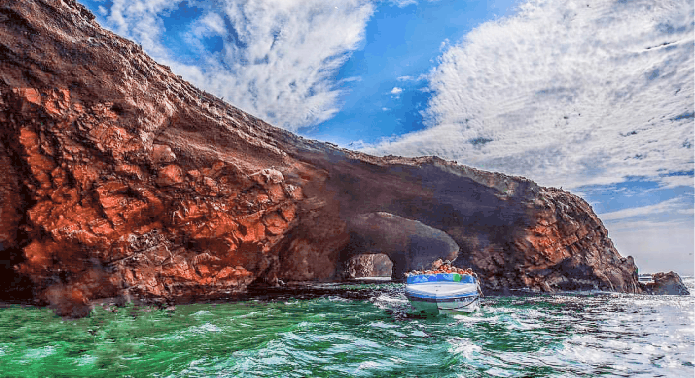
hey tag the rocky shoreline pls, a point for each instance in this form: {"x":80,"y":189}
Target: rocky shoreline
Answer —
{"x":665,"y":284}
{"x":123,"y":180}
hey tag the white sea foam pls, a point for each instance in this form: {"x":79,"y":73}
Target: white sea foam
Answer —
{"x":202,"y":329}
{"x":85,"y":360}
{"x":38,"y":353}
{"x":201,"y":313}
{"x":382,"y":325}
{"x":368,"y":365}
{"x":464,"y":348}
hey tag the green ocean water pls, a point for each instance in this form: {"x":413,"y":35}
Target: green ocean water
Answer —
{"x":570,"y":335}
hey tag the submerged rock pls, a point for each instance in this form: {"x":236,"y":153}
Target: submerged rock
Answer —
{"x":666,"y":284}
{"x":122,"y":180}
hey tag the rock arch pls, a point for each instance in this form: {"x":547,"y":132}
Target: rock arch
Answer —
{"x":409,"y":244}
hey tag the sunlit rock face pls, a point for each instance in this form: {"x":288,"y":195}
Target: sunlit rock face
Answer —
{"x":120,"y":179}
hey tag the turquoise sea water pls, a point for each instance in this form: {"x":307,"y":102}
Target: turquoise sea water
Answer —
{"x":570,"y":335}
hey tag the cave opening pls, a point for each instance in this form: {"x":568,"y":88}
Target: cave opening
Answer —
{"x":370,"y":265}
{"x":16,"y":288}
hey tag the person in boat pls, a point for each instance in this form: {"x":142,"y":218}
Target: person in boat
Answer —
{"x":442,"y":267}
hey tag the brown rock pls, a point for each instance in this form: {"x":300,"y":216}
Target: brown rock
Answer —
{"x":369,"y":265}
{"x":666,"y":284}
{"x":130,"y":170}
{"x":275,"y":224}
{"x":194,"y":173}
{"x":162,"y":154}
{"x":211,"y":185}
{"x":170,"y":175}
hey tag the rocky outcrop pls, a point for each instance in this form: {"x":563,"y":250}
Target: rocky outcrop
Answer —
{"x":120,"y":179}
{"x":666,"y":284}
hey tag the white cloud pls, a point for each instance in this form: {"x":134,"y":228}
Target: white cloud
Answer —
{"x":629,"y":226}
{"x":676,"y":181}
{"x":567,"y":93}
{"x":405,"y":3}
{"x":672,"y":206}
{"x":141,"y":21}
{"x":396,"y":91}
{"x":278,"y":56}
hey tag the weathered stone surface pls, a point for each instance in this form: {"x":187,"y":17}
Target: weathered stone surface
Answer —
{"x":120,"y":179}
{"x":162,"y":153}
{"x":666,"y":284}
{"x":369,"y":265}
{"x":170,"y":175}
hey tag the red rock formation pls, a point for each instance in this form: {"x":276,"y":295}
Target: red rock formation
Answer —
{"x":121,"y":179}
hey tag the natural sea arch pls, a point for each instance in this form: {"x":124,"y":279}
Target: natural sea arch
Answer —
{"x":409,"y":244}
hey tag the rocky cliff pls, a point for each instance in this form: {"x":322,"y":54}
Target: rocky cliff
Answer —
{"x":120,"y":179}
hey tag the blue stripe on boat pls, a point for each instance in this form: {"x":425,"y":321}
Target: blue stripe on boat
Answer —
{"x":440,"y":277}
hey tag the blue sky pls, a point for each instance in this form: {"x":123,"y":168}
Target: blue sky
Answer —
{"x":594,"y":96}
{"x":401,"y":45}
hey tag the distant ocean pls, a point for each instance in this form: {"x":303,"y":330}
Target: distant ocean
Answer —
{"x":362,"y":330}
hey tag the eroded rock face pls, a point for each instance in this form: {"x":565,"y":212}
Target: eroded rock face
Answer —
{"x":120,"y":179}
{"x":666,"y":284}
{"x":369,"y":265}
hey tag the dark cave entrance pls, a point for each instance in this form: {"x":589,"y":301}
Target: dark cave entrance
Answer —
{"x":15,"y":288}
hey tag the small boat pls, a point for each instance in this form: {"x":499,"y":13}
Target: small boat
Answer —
{"x":443,"y":292}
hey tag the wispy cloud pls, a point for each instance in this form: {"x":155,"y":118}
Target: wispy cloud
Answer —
{"x":567,"y":93}
{"x":676,"y":181}
{"x":673,"y":206}
{"x":405,"y":3}
{"x":278,"y":59}
{"x":634,"y":227}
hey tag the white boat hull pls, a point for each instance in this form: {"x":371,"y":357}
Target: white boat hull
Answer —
{"x":445,"y":307}
{"x":444,"y":296}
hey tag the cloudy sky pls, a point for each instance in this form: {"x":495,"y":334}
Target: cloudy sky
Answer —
{"x":594,"y":96}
